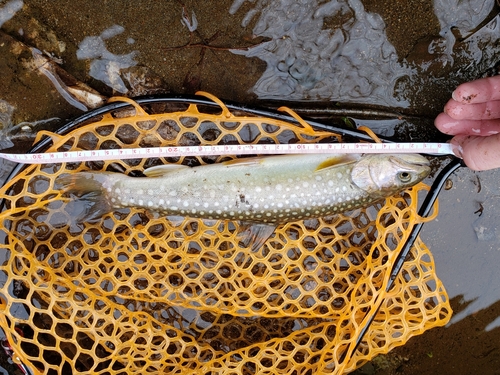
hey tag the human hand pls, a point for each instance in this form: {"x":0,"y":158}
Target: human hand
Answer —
{"x":473,"y":117}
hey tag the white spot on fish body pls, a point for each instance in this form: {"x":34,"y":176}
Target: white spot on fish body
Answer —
{"x":258,"y":189}
{"x":126,"y":191}
{"x":279,"y":187}
{"x":140,"y":202}
{"x":319,"y":178}
{"x":185,"y":204}
{"x":305,"y":184}
{"x":205,"y":204}
{"x":339,"y":175}
{"x":150,"y":204}
{"x":150,"y":192}
{"x":161,"y":202}
{"x":330,"y":183}
{"x":172,"y":193}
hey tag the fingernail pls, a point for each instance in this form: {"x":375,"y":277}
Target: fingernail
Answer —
{"x":454,"y":95}
{"x":457,"y":149}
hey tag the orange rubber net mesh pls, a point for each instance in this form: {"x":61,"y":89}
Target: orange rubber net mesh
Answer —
{"x":133,"y":293}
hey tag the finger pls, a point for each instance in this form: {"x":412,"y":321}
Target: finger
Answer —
{"x":478,"y":91}
{"x":479,"y":153}
{"x":478,"y":111}
{"x":448,"y":125}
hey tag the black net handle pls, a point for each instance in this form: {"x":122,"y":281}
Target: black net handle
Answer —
{"x":424,"y":211}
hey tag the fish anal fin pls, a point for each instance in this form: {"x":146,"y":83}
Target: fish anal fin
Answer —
{"x":162,"y":170}
{"x":255,"y":235}
{"x":335,"y":161}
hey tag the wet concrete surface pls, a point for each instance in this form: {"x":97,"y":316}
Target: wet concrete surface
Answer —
{"x":428,"y":51}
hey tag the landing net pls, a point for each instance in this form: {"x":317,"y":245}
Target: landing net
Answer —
{"x":133,"y":293}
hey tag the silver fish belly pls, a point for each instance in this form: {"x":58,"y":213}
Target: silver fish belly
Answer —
{"x":267,"y":190}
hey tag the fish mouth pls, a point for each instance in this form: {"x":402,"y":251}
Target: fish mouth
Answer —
{"x":415,"y":163}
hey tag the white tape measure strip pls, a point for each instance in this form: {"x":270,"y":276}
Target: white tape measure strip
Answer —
{"x":175,"y":151}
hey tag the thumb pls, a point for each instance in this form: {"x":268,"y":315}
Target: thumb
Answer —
{"x":479,"y":153}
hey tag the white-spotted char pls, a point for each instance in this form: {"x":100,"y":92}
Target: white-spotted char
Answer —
{"x":266,"y":190}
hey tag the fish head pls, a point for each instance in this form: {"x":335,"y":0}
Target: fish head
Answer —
{"x":383,"y":175}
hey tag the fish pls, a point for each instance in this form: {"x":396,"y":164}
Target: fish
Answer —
{"x":260,"y":192}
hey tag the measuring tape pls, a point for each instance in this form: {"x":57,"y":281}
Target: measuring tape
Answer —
{"x":176,"y":151}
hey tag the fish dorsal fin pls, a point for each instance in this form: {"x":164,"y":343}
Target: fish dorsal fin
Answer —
{"x":162,"y":170}
{"x":245,"y":161}
{"x":335,"y":161}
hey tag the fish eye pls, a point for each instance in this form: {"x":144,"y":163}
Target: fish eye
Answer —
{"x":404,"y":176}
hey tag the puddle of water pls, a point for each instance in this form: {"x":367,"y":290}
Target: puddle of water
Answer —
{"x":9,"y":9}
{"x":106,"y":66}
{"x":466,"y":241}
{"x":324,"y":51}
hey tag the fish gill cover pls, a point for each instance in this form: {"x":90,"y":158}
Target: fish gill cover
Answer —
{"x":133,"y":293}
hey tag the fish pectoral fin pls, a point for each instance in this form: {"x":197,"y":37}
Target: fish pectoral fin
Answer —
{"x":336,"y":161}
{"x":162,"y":170}
{"x":255,"y":234}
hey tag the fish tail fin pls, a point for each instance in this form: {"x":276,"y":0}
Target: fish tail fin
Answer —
{"x":88,"y":187}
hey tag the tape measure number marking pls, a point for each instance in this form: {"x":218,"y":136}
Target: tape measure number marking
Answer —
{"x":265,"y":149}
